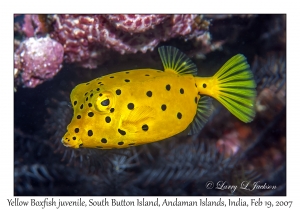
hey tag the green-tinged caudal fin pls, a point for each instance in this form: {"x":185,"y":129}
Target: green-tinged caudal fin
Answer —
{"x":233,"y":86}
{"x":175,"y":61}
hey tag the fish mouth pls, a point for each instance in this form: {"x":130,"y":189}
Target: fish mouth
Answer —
{"x":65,"y":144}
{"x":71,"y":143}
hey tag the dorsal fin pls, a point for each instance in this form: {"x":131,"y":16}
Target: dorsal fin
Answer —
{"x":204,"y":110}
{"x":175,"y":60}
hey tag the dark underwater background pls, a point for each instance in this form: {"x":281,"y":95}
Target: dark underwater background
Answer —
{"x":225,"y":151}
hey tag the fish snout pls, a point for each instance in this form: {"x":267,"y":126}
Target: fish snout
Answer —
{"x":68,"y":141}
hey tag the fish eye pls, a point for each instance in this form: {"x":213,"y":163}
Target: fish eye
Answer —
{"x":105,"y":102}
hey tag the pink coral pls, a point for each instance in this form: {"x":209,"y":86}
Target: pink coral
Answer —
{"x":234,"y":141}
{"x":34,"y":24}
{"x":135,"y":23}
{"x":87,"y":38}
{"x":37,"y":60}
{"x":229,"y":144}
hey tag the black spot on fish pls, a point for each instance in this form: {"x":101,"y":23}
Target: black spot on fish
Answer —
{"x":103,"y":140}
{"x":112,"y":110}
{"x":168,"y":87}
{"x":100,"y":94}
{"x":87,"y":83}
{"x":90,"y":133}
{"x":196,"y":100}
{"x":127,"y":72}
{"x":149,"y":93}
{"x":145,"y":127}
{"x":163,"y":107}
{"x":204,"y":85}
{"x":75,"y":102}
{"x":147,"y":75}
{"x":86,"y":99}
{"x":86,"y":93}
{"x":130,"y":106}
{"x":90,"y":105}
{"x":107,"y":119}
{"x":90,"y":114}
{"x":179,"y":115}
{"x":123,"y":133}
{"x":78,"y":117}
{"x":98,"y":89}
{"x":99,"y":83}
{"x":118,"y":92}
{"x":74,"y":138}
{"x":127,"y":80}
{"x":81,"y":106}
{"x":111,"y":77}
{"x":80,"y":145}
{"x":105,"y":102}
{"x":120,"y":143}
{"x":195,"y":84}
{"x":76,"y":130}
{"x":91,"y":95}
{"x":181,"y":91}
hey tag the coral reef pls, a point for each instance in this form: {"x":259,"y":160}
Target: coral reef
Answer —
{"x":35,"y":25}
{"x":37,"y":60}
{"x":135,"y":23}
{"x":90,"y":40}
{"x":231,"y":151}
{"x":87,"y":38}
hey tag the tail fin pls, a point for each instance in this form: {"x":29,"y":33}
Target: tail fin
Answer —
{"x":233,"y":86}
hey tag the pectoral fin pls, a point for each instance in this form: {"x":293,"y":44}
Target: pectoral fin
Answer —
{"x":138,"y":117}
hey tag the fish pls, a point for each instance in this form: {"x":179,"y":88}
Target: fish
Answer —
{"x":140,"y":106}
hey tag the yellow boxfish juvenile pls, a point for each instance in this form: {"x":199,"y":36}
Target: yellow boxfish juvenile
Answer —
{"x":141,"y":106}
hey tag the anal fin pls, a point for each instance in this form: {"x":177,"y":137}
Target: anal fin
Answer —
{"x":204,"y":110}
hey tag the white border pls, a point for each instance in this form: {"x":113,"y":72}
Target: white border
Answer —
{"x":186,"y":6}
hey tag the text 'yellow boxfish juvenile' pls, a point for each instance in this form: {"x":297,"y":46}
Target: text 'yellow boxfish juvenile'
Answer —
{"x":141,"y":106}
